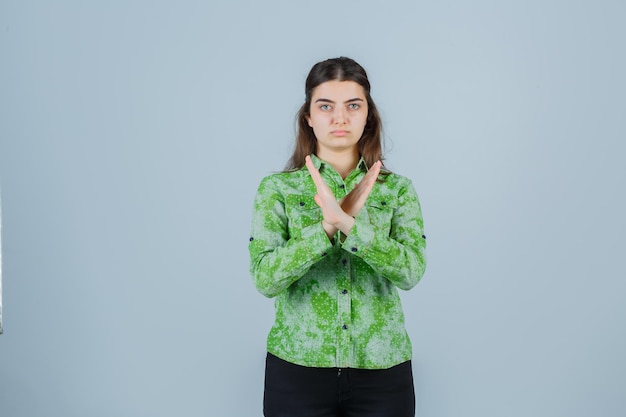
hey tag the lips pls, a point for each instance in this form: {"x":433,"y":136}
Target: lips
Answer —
{"x":339,"y":132}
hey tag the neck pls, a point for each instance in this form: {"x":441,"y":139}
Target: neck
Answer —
{"x":343,"y":161}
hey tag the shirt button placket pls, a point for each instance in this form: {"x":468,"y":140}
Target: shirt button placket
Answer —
{"x":345,"y":318}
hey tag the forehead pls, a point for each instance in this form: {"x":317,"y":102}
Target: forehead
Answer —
{"x":338,"y":91}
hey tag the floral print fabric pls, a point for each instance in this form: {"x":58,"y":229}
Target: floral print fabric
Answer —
{"x":336,"y":302}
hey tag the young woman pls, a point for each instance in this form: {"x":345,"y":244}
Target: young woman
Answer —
{"x":333,"y":237}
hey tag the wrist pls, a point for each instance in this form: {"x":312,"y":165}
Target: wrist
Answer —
{"x":329,"y":229}
{"x":345,"y":224}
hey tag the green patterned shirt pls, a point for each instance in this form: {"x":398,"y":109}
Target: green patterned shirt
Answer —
{"x":337,"y":303}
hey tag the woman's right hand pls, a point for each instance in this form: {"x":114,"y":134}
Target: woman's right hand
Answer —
{"x":340,"y":214}
{"x":355,"y":200}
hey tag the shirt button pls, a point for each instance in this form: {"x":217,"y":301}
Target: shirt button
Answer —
{"x":344,"y":291}
{"x":423,"y":236}
{"x":251,"y":239}
{"x":344,"y":261}
{"x":342,"y":186}
{"x":302,"y":204}
{"x":383,"y":203}
{"x":344,"y":327}
{"x":353,"y":249}
{"x":323,"y":253}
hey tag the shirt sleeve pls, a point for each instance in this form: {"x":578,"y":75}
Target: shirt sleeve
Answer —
{"x":276,"y":259}
{"x":397,"y":253}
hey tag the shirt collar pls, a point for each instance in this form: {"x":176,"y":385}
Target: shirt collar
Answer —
{"x":317,"y":162}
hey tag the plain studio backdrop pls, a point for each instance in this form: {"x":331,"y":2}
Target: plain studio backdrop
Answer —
{"x":133,"y":136}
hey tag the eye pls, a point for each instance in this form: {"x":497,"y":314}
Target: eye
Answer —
{"x":354,"y":106}
{"x":325,"y":107}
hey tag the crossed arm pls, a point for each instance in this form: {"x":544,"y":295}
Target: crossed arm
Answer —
{"x":339,"y":215}
{"x":397,"y":254}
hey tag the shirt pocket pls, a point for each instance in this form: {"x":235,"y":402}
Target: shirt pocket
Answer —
{"x":302,"y":212}
{"x":380,"y":211}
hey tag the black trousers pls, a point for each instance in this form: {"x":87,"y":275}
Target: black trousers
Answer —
{"x":299,"y":391}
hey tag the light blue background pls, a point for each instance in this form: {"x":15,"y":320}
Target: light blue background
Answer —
{"x":133,"y":135}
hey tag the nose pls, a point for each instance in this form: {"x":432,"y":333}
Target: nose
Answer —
{"x":339,"y":115}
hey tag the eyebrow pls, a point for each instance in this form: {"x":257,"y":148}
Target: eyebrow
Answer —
{"x":325,"y":100}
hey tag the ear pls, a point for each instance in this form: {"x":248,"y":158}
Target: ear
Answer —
{"x":308,"y":120}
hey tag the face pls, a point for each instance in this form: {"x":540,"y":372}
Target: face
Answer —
{"x":338,"y":115}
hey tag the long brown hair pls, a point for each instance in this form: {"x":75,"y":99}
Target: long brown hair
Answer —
{"x":337,"y":69}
